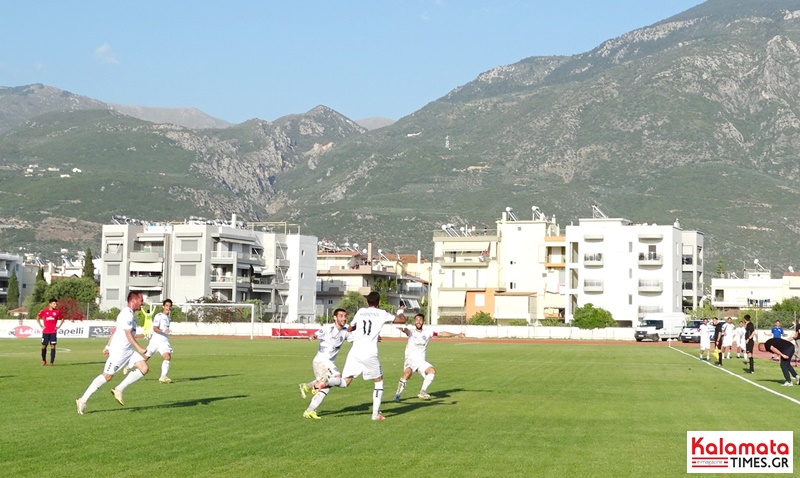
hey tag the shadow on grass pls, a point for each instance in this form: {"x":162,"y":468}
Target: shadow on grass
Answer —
{"x":70,"y":364}
{"x":207,"y":377}
{"x":391,"y":408}
{"x":172,"y":405}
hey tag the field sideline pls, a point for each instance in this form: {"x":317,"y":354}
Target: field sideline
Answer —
{"x":497,"y":409}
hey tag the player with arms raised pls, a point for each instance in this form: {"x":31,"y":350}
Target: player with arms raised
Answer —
{"x":415,"y":361}
{"x":363,"y":356}
{"x":331,"y":337}
{"x":159,"y":341}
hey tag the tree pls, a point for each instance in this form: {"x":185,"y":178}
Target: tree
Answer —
{"x":351,"y":302}
{"x":79,"y":288}
{"x":12,"y":297}
{"x":38,"y":296}
{"x":591,"y":317}
{"x":71,"y":309}
{"x":88,"y":265}
{"x":481,"y":318}
{"x":720,"y":268}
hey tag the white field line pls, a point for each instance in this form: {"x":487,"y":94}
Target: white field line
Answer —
{"x":793,"y":400}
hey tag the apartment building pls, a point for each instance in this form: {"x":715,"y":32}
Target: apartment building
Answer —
{"x":270,"y":262}
{"x":632,"y":269}
{"x":11,"y":264}
{"x":755,"y":290}
{"x":515,"y":271}
{"x":343,"y":270}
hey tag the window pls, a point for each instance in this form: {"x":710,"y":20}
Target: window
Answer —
{"x":188,"y":245}
{"x":302,"y":275}
{"x":112,"y":294}
{"x":112,"y":270}
{"x":630,"y":299}
{"x":512,"y":262}
{"x":188,"y":270}
{"x":330,"y":301}
{"x":630,"y":247}
{"x":113,"y":248}
{"x":480,"y":300}
{"x":301,"y":298}
{"x":512,"y":285}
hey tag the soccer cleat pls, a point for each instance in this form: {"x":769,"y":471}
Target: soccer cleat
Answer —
{"x":44,"y":363}
{"x":787,"y":384}
{"x":423,"y":396}
{"x":378,"y":417}
{"x":118,"y":396}
{"x":311,"y":414}
{"x":397,"y":398}
{"x":81,"y":405}
{"x":798,"y":378}
{"x":303,"y":390}
{"x":165,"y":380}
{"x":52,"y":364}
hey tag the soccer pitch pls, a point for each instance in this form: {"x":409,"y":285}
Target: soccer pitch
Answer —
{"x":497,"y":409}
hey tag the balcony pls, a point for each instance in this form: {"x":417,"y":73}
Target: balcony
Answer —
{"x":592,"y":286}
{"x":471,"y":260}
{"x":651,"y":285}
{"x":249,"y":258}
{"x":222,"y":257}
{"x":687,"y":286}
{"x":221,"y":281}
{"x":651,"y":259}
{"x":112,"y":257}
{"x":148,"y":282}
{"x":144,"y":256}
{"x":593,"y":260}
{"x":649,"y":309}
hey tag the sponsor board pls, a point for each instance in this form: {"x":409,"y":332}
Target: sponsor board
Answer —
{"x":24,"y":331}
{"x":739,"y":452}
{"x":293,"y":333}
{"x":101,"y":331}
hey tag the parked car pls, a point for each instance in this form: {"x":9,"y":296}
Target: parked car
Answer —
{"x":691,"y":333}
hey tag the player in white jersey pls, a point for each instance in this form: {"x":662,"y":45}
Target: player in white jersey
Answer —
{"x":738,"y":339}
{"x":122,"y":347}
{"x":159,"y":342}
{"x":415,"y":360}
{"x":331,"y":337}
{"x":705,"y":339}
{"x":727,"y":337}
{"x":363,"y":356}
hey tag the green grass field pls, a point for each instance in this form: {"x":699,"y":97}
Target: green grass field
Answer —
{"x":510,"y":409}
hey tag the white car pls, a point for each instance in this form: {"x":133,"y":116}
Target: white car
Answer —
{"x":691,"y":332}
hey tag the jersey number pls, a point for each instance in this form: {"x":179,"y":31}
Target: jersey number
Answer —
{"x":367,"y":330}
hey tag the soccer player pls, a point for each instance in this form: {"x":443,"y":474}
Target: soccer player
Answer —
{"x":331,"y":337}
{"x":122,"y":347}
{"x":750,"y":342}
{"x":784,"y":350}
{"x":415,"y":356}
{"x":50,"y":316}
{"x":159,"y":342}
{"x":363,"y":356}
{"x":738,"y":339}
{"x":727,"y":337}
{"x":717,"y":340}
{"x":705,"y":339}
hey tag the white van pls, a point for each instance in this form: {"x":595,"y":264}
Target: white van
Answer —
{"x":661,"y":326}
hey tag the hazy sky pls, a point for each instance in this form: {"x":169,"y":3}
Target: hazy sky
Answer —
{"x":238,"y":59}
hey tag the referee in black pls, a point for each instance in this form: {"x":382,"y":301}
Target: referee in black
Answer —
{"x":718,"y":340}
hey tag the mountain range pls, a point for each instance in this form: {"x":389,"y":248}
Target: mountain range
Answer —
{"x":692,"y":118}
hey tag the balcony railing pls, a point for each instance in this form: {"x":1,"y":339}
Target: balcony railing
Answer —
{"x":591,"y":285}
{"x":650,"y":259}
{"x":593,"y":260}
{"x":650,"y":285}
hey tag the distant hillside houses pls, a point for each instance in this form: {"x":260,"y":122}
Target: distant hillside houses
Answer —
{"x":34,"y":169}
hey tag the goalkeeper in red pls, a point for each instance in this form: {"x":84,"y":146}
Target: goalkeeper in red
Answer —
{"x":415,"y":356}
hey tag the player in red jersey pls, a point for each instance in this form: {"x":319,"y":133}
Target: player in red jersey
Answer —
{"x":50,"y":316}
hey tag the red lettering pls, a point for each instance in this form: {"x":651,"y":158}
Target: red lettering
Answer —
{"x":783,"y":449}
{"x":698,"y":443}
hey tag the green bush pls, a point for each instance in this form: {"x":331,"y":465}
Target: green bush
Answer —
{"x":518,"y":322}
{"x":591,"y":317}
{"x":481,"y":318}
{"x":554,"y":323}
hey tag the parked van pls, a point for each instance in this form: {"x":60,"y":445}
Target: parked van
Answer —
{"x":660,"y":326}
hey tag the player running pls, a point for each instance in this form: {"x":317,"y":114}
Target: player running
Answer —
{"x":159,"y":342}
{"x":331,"y":337}
{"x":415,"y":356}
{"x":363,"y":356}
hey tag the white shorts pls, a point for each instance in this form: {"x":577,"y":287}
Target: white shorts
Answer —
{"x":324,"y":368}
{"x":727,"y":341}
{"x":161,"y":347}
{"x":369,"y":367}
{"x":417,"y":366}
{"x":116,"y":361}
{"x":705,"y":344}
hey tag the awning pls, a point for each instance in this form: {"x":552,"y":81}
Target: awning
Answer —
{"x":452,"y":298}
{"x":410,"y":303}
{"x":465,"y":246}
{"x":257,"y":269}
{"x":146,"y":267}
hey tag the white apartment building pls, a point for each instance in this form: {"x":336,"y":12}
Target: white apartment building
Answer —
{"x":185,"y":262}
{"x":513,"y":272}
{"x":756,"y":290}
{"x":632,"y":269}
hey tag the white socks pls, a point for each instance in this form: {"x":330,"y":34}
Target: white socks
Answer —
{"x":377,"y":396}
{"x":164,"y":368}
{"x":132,"y":377}
{"x":98,"y":382}
{"x":428,"y":379}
